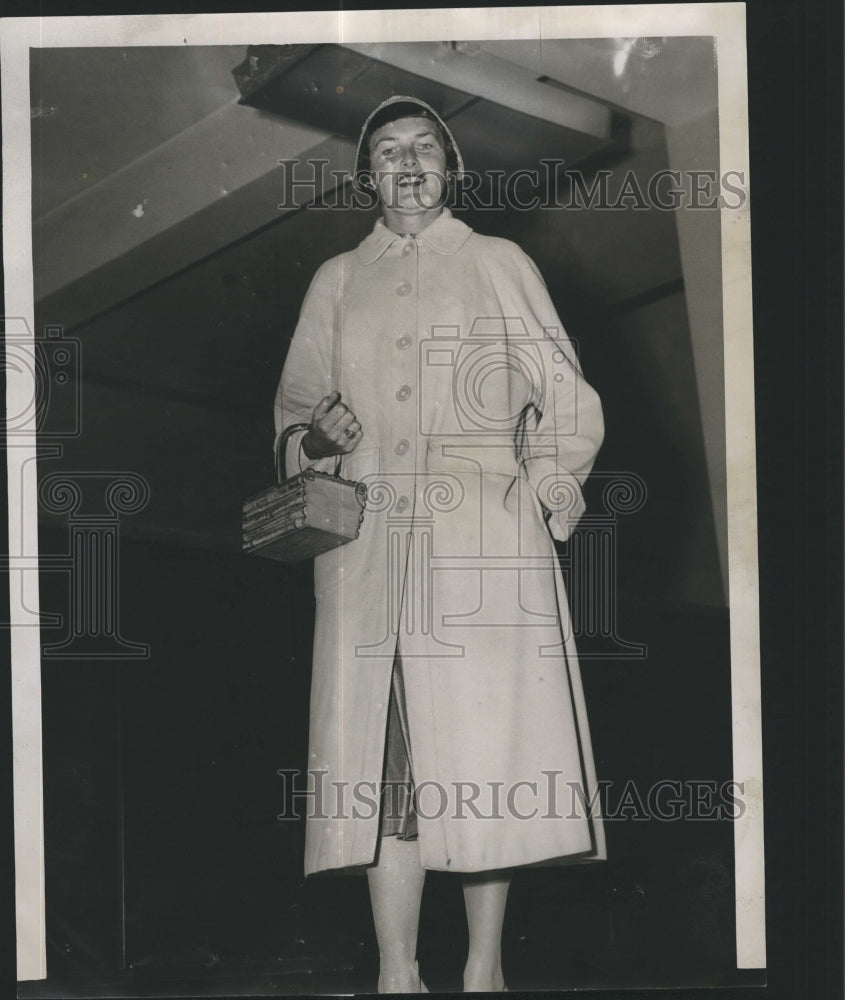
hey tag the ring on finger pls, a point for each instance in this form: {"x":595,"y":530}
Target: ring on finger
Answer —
{"x":350,"y":433}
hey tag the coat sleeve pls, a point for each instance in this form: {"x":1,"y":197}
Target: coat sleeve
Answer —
{"x":564,"y":426}
{"x":306,"y":375}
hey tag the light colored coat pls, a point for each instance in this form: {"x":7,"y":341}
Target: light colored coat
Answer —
{"x":479,"y":430}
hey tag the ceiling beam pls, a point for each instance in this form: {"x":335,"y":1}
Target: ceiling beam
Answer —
{"x":210,"y":184}
{"x":466,"y":66}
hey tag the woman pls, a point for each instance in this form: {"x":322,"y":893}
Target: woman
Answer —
{"x":431,"y":358}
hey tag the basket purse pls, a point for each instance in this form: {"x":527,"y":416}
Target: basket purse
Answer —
{"x":304,"y":516}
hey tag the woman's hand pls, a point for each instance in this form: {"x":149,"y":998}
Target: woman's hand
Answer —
{"x":334,"y":429}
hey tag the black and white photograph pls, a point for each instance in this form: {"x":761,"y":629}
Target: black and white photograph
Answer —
{"x":383,"y":531}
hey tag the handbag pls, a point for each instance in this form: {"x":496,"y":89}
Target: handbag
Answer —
{"x":302,"y":517}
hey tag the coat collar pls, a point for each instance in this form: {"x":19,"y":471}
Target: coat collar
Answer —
{"x":446,"y":235}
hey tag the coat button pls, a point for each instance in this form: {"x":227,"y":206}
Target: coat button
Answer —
{"x":402,"y":504}
{"x":403,"y":289}
{"x":407,"y":249}
{"x":403,"y":342}
{"x":402,"y":447}
{"x":403,"y":392}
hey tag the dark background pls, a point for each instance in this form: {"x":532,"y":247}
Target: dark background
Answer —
{"x":195,"y":717}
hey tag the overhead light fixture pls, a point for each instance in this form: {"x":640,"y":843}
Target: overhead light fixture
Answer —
{"x":642,"y":48}
{"x":620,"y":59}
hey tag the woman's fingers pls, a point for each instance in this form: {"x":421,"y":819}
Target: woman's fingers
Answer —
{"x":345,"y":421}
{"x":334,"y":426}
{"x":351,"y":443}
{"x":347,"y":433}
{"x":325,"y":404}
{"x":331,"y":418}
{"x":338,"y":420}
{"x":352,"y":435}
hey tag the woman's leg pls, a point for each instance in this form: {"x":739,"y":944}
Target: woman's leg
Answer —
{"x":485,"y":895}
{"x":396,"y":885}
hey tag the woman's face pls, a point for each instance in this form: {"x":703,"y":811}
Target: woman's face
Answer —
{"x":408,"y":162}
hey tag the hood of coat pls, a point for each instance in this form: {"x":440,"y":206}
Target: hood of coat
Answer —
{"x":401,"y":106}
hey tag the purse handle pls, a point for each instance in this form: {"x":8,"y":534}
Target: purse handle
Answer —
{"x":280,"y":452}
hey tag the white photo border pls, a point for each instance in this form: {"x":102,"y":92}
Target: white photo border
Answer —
{"x":725,"y":22}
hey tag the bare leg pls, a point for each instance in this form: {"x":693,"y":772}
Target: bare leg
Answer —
{"x":396,"y":885}
{"x":485,"y":895}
